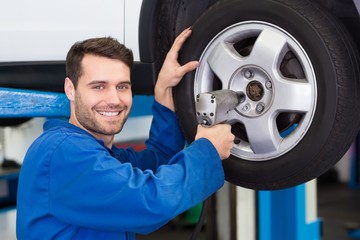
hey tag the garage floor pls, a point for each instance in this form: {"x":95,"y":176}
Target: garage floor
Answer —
{"x":338,"y":208}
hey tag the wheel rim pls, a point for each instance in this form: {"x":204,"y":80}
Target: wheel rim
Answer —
{"x":277,"y":77}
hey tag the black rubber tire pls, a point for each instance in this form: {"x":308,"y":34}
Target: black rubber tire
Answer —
{"x":336,"y":65}
{"x":174,"y":16}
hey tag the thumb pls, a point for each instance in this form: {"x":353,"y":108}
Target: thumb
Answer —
{"x":189,"y":67}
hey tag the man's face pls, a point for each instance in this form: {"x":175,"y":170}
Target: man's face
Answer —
{"x":103,"y":98}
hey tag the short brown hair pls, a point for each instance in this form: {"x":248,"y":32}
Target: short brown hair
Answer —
{"x":105,"y":47}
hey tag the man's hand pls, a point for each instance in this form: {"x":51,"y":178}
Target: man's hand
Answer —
{"x":172,"y":72}
{"x":220,"y":136}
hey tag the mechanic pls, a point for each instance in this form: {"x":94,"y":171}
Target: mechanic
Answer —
{"x":75,"y":184}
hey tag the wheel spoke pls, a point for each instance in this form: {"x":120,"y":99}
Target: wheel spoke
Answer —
{"x":293,"y":96}
{"x":263,"y":134}
{"x":267,"y":50}
{"x":224,"y":61}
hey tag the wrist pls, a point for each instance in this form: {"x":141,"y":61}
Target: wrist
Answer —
{"x":163,"y":95}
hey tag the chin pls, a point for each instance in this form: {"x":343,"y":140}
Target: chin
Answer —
{"x":115,"y":131}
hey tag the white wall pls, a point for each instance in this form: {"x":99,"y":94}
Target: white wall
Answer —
{"x":18,"y":139}
{"x":344,"y":165}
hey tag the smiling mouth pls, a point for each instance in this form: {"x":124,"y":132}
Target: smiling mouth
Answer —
{"x":109,"y":114}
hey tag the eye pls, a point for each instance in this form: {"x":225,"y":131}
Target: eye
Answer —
{"x":124,"y":86}
{"x":98,"y":87}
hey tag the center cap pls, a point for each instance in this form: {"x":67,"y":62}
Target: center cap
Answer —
{"x":255,"y":90}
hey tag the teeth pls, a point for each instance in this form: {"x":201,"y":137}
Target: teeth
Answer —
{"x":109,"y":113}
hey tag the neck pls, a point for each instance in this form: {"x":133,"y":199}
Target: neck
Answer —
{"x":107,"y":139}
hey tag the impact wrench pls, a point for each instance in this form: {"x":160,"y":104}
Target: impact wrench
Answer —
{"x":212,"y":108}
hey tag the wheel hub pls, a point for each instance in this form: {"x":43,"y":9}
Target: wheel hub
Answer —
{"x":258,"y":88}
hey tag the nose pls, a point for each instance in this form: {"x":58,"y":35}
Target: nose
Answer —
{"x":113,"y":97}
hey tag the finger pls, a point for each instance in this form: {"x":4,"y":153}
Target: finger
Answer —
{"x":188,"y":67}
{"x":228,"y":126}
{"x":183,"y":35}
{"x":179,"y":41}
{"x":233,"y":138}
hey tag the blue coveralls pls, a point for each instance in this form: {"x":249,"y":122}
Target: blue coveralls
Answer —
{"x":72,"y":187}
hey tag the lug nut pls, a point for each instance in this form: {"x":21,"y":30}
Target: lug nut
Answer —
{"x":260,"y":107}
{"x":246,"y":108}
{"x":268,"y":84}
{"x":248,"y":74}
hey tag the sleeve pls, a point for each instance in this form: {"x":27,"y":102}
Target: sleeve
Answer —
{"x":165,"y":140}
{"x":93,"y":189}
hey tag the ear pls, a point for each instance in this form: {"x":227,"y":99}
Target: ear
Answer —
{"x":69,"y":89}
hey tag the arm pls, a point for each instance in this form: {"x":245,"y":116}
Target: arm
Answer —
{"x":97,"y":186}
{"x":170,"y":75}
{"x":165,"y":140}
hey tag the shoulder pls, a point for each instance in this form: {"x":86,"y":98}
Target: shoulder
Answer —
{"x":61,"y":134}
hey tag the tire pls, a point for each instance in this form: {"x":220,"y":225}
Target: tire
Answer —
{"x":173,"y":17}
{"x":305,"y":68}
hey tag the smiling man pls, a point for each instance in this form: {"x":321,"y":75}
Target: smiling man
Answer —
{"x":102,"y":104}
{"x":75,"y":184}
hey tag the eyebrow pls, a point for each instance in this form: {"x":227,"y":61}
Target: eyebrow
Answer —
{"x":104,"y":82}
